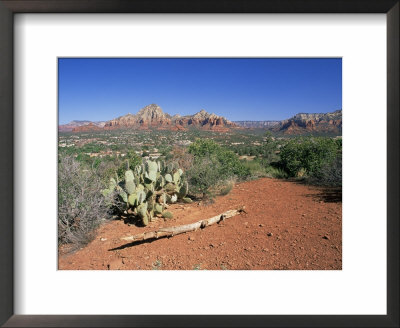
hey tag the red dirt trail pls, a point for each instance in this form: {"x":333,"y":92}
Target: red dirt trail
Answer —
{"x":287,"y":226}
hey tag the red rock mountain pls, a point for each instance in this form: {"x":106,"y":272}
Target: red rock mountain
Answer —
{"x":311,"y":123}
{"x":152,"y":117}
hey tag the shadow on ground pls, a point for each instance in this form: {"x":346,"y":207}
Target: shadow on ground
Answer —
{"x":325,"y":194}
{"x":131,"y":244}
{"x":328,"y":195}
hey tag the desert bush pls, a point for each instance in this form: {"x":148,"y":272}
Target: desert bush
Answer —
{"x":256,"y":168}
{"x":329,"y":174}
{"x":269,"y":149}
{"x":229,"y":164}
{"x":81,"y":207}
{"x":204,"y":177}
{"x":213,"y":167}
{"x":181,"y":156}
{"x":276,"y":172}
{"x":227,"y":188}
{"x":308,"y":155}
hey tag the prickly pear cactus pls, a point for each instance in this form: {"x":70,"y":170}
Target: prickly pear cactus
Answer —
{"x":148,"y":189}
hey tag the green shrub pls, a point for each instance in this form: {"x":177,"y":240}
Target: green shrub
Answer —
{"x":308,"y":154}
{"x":167,"y":215}
{"x":227,"y":188}
{"x":329,"y":174}
{"x":229,"y":163}
{"x":212,"y":167}
{"x":204,"y":176}
{"x":256,"y":168}
{"x":269,"y":149}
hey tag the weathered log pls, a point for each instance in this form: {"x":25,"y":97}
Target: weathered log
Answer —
{"x":176,"y":230}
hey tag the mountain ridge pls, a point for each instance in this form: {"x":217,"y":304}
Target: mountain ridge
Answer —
{"x":153,"y":117}
{"x":78,"y":123}
{"x":311,"y":122}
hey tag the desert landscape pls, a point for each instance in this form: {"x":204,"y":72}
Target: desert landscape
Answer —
{"x":197,"y":189}
{"x":302,"y":233}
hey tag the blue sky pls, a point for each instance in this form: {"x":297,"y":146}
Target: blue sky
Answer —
{"x":99,"y":89}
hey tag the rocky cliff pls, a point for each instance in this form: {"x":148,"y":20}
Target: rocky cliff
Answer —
{"x":152,"y":116}
{"x":311,"y":123}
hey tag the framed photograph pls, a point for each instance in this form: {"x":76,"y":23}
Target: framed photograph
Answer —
{"x":182,"y":163}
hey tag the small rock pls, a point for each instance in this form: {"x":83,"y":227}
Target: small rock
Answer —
{"x":212,"y":245}
{"x":103,"y":239}
{"x":270,"y":234}
{"x":114,"y":265}
{"x":261,"y":225}
{"x":191,"y":238}
{"x":326,"y":237}
{"x":246,"y":223}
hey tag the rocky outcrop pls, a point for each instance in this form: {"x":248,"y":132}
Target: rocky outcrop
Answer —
{"x":311,"y":123}
{"x":152,"y":117}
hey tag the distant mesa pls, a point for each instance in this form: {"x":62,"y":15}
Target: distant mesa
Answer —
{"x":257,"y":124}
{"x":311,"y":123}
{"x":74,"y":124}
{"x":302,"y":123}
{"x":87,"y":128}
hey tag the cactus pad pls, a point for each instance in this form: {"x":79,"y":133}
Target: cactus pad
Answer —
{"x":167,"y":215}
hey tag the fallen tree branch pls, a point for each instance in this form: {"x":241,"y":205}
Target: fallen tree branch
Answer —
{"x":176,"y":230}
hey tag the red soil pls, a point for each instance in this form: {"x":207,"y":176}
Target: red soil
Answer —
{"x":286,"y":226}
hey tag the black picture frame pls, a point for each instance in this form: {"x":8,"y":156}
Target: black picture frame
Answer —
{"x":10,"y":7}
